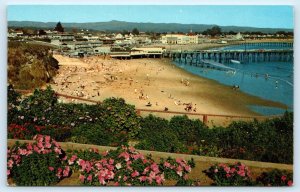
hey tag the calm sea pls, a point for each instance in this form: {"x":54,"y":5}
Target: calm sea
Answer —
{"x":252,"y":79}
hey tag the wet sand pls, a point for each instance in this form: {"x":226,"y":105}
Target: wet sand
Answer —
{"x":150,"y":81}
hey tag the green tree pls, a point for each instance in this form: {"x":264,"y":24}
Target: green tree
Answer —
{"x":59,"y":27}
{"x":135,"y":31}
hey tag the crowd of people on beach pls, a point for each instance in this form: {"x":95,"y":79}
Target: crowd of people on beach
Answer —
{"x":88,"y":78}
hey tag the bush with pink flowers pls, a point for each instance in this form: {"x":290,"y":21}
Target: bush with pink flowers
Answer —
{"x":275,"y":178}
{"x":45,"y":163}
{"x":237,"y":174}
{"x":39,"y":164}
{"x":127,"y":167}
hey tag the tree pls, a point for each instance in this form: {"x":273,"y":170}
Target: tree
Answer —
{"x":135,"y":31}
{"x":216,"y":30}
{"x":41,"y":32}
{"x":59,"y":27}
{"x":232,"y":33}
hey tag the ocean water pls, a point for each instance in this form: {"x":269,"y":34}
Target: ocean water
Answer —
{"x":277,"y":85}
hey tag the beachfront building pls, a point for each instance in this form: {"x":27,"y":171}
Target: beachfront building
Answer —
{"x":180,"y":39}
{"x":59,"y":39}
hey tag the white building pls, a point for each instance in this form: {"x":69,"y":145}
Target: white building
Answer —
{"x":180,"y":39}
{"x":119,"y":36}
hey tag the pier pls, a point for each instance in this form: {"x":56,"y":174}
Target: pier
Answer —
{"x":284,"y":54}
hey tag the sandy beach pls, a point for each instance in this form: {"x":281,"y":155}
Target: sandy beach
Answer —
{"x":145,"y":82}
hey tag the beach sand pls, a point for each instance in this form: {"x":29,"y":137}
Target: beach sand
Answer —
{"x":154,"y":81}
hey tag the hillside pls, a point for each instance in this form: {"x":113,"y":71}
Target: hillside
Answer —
{"x":155,"y":27}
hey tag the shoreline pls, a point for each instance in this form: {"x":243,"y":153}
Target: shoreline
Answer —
{"x":158,"y":81}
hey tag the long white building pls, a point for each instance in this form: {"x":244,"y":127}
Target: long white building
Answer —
{"x":180,"y":39}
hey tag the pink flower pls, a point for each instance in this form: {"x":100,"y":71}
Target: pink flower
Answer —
{"x":158,"y":180}
{"x":216,"y":170}
{"x":89,"y":178}
{"x":146,"y":170}
{"x":152,"y":175}
{"x":241,"y":173}
{"x":125,"y":155}
{"x":111,"y":161}
{"x":179,"y":160}
{"x":187,"y":168}
{"x":142,"y":178}
{"x":57,"y":150}
{"x":227,"y":169}
{"x":72,"y":159}
{"x":228,"y":175}
{"x":135,"y":174}
{"x":10,"y":163}
{"x":36,"y":149}
{"x":128,"y":163}
{"x":131,"y":149}
{"x":8,"y":172}
{"x":59,"y":171}
{"x":185,"y":177}
{"x":81,"y":177}
{"x":145,"y":161}
{"x":290,"y":183}
{"x":51,"y":168}
{"x":232,"y":170}
{"x":29,"y":146}
{"x":179,"y":171}
{"x":47,"y":139}
{"x":40,"y":145}
{"x":105,"y":153}
{"x":154,"y":168}
{"x":137,"y":156}
{"x":116,"y":184}
{"x":88,"y":166}
{"x":125,"y":178}
{"x":66,"y":171}
{"x":55,"y":143}
{"x":47,"y":145}
{"x":150,"y":180}
{"x":283,"y":177}
{"x":167,"y":164}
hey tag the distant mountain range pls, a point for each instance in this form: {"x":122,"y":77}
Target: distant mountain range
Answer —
{"x":116,"y":26}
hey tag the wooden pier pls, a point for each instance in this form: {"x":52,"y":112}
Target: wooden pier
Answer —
{"x":243,"y":55}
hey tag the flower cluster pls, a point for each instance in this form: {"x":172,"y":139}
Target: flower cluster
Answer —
{"x":176,"y":168}
{"x":44,"y":154}
{"x":275,"y":178}
{"x":126,"y":166}
{"x":222,"y":174}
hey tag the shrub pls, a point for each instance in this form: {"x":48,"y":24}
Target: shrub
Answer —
{"x":188,"y":131}
{"x":275,"y":178}
{"x":97,"y":134}
{"x":119,"y":116}
{"x":125,"y":167}
{"x":232,"y":175}
{"x":156,"y":135}
{"x":38,"y":164}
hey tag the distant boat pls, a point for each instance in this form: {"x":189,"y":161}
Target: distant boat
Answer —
{"x":235,"y":61}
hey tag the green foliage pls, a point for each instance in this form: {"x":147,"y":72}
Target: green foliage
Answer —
{"x":114,"y":122}
{"x":275,"y":178}
{"x":121,"y":117}
{"x":229,"y":175}
{"x":188,"y":131}
{"x":34,"y":171}
{"x":97,"y":134}
{"x":42,"y":163}
{"x":156,"y":135}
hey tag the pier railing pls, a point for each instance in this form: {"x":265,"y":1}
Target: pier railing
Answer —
{"x":203,"y":116}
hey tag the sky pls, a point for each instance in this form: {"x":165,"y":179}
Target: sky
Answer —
{"x":226,"y":15}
